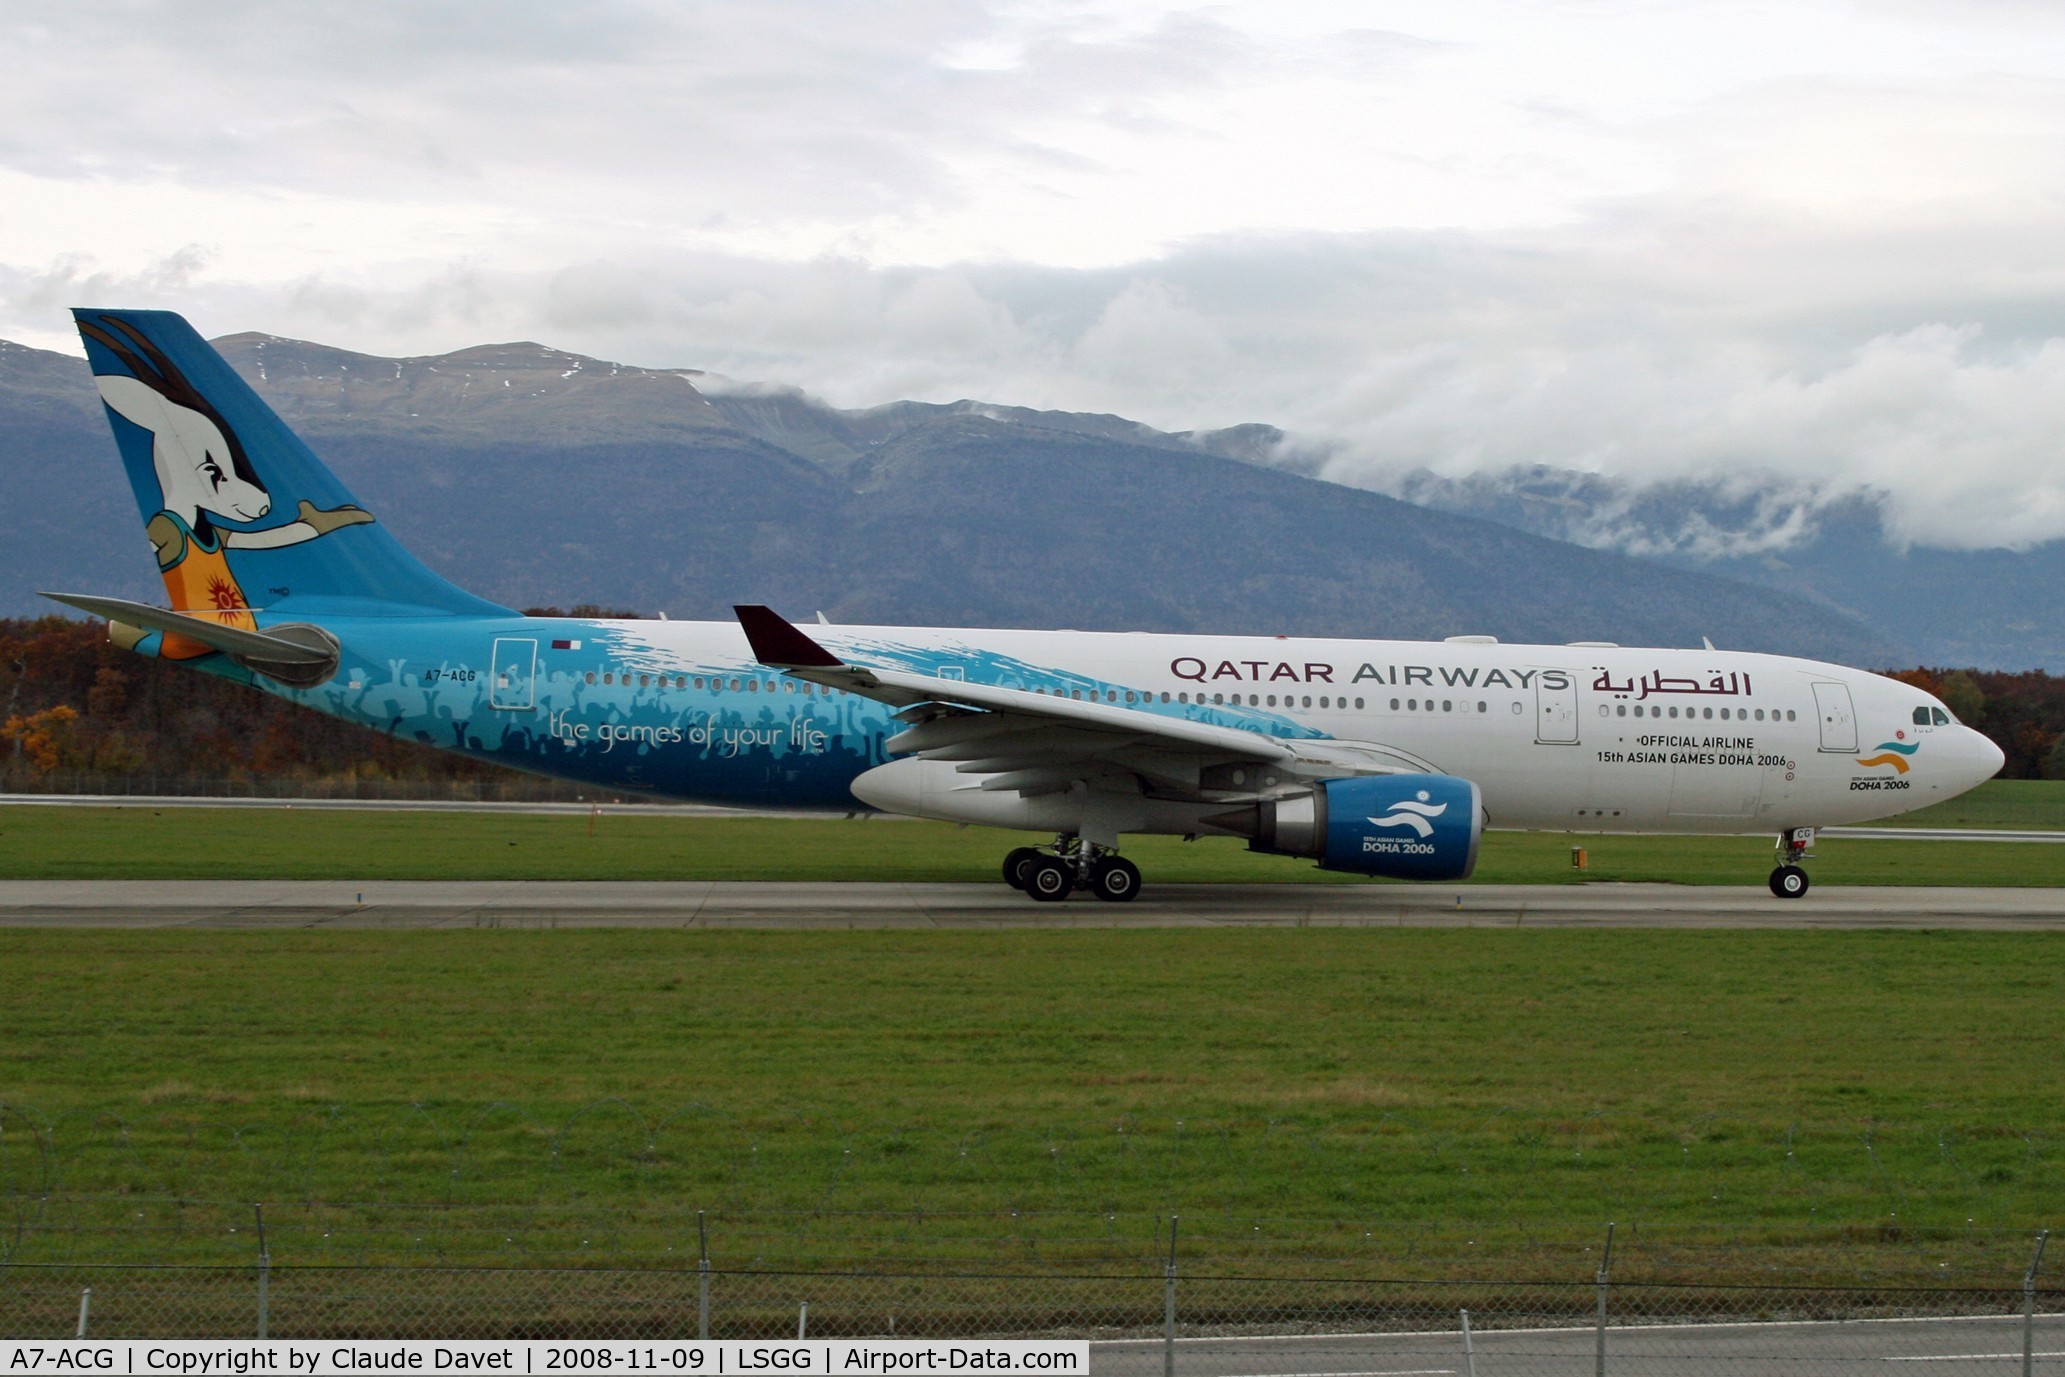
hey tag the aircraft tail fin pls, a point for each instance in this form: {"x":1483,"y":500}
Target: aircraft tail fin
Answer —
{"x":243,"y":516}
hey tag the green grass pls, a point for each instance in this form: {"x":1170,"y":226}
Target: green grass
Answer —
{"x":287,"y":843}
{"x":1417,"y":1100}
{"x":1352,"y":1093}
{"x":2021,"y":804}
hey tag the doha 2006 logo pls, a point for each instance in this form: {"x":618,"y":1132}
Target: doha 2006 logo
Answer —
{"x":1894,"y":753}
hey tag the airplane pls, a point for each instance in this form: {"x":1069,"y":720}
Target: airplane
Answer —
{"x":1383,"y":758}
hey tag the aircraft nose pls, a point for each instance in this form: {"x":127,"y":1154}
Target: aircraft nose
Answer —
{"x":1987,"y":758}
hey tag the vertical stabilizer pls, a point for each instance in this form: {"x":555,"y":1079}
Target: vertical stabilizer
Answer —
{"x":242,"y":516}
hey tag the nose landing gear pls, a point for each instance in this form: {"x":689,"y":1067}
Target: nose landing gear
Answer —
{"x":1051,"y":875}
{"x":1789,"y":881}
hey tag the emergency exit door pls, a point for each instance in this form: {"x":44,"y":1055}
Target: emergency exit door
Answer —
{"x":512,"y":681}
{"x":1838,"y":719}
{"x":1555,"y":712}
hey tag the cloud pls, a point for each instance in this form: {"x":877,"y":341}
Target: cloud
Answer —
{"x":1796,"y":271}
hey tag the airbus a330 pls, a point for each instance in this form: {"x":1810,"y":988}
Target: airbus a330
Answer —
{"x":1383,"y":758}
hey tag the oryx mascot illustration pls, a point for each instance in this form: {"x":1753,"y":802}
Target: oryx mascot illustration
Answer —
{"x":204,"y":479}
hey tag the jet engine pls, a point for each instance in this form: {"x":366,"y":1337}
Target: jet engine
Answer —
{"x":1404,"y":827}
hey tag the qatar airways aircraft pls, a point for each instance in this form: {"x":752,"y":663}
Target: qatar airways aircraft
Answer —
{"x":1385,"y":758}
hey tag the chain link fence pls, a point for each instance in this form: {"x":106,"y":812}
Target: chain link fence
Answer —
{"x":1166,"y":1323}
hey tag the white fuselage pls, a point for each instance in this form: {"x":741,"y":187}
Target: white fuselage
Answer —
{"x":1578,"y":737}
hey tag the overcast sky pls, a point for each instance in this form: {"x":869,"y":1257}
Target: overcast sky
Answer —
{"x":1815,"y":243}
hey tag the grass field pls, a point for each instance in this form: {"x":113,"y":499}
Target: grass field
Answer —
{"x":2033,"y":804}
{"x":282,"y":843}
{"x":1419,"y":1100}
{"x":574,"y":1093}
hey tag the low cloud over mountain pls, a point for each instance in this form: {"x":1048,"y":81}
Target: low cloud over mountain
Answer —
{"x":537,"y":476}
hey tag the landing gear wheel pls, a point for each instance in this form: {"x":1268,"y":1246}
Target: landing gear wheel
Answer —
{"x":1015,"y":866}
{"x":1048,"y":880}
{"x":1115,"y":879}
{"x":1788,"y":882}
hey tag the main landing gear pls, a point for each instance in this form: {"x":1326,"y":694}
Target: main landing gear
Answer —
{"x":1789,"y":881}
{"x":1051,"y":875}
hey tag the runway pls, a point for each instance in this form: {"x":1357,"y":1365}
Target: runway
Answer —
{"x":711,"y":904}
{"x":1989,"y":1344}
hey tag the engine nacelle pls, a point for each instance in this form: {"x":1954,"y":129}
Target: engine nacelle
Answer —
{"x":1404,"y":827}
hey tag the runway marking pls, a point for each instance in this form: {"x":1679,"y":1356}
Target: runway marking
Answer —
{"x":1966,"y":1357}
{"x":1381,"y":1372}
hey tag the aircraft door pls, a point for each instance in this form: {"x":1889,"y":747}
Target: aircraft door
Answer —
{"x":1555,"y":712}
{"x":513,"y":679}
{"x":1838,"y":719}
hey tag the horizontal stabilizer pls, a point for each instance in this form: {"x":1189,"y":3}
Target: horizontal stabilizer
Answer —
{"x":230,"y":640}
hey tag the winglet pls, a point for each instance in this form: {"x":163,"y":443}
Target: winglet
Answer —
{"x":777,"y":643}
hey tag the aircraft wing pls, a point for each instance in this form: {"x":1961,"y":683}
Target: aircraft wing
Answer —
{"x":1035,"y":743}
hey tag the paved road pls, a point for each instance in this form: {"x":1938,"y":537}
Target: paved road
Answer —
{"x":706,"y":904}
{"x":1937,"y":1348}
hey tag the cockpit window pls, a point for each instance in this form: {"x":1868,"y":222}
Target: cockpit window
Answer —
{"x":1921,"y":717}
{"x":1941,"y":718}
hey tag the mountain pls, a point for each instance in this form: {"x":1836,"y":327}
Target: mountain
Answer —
{"x":535,"y":476}
{"x":1993,"y":609}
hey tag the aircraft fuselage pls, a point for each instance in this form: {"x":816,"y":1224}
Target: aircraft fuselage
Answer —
{"x":1577,"y":737}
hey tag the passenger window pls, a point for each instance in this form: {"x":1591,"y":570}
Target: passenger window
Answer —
{"x":645,"y":681}
{"x":1942,"y":718}
{"x":1674,"y":709}
{"x":1483,"y":706}
{"x":1394,"y":705}
{"x":1791,"y":716}
{"x":1623,"y":711}
{"x":1218,"y":698}
{"x":1760,"y":714}
{"x":610,"y":677}
{"x":1358,"y":704}
{"x":1308,"y":700}
{"x":1605,"y":711}
{"x":735,"y":686}
{"x":589,"y":677}
{"x":1708,"y":714}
